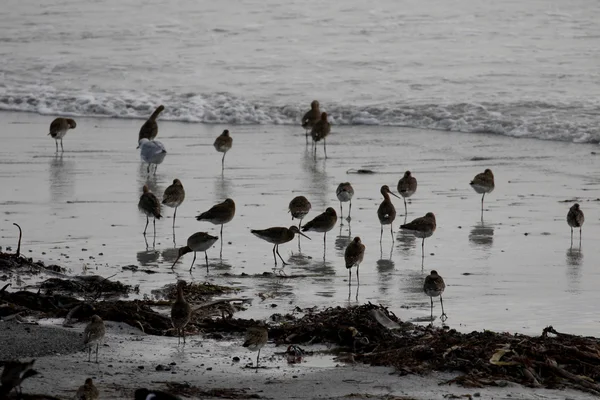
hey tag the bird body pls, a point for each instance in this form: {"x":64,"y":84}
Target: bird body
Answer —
{"x":354,"y":254}
{"x":87,"y":391}
{"x":319,"y":131}
{"x":407,"y":186}
{"x":219,"y":214}
{"x":152,"y":152}
{"x":575,"y":219}
{"x":277,"y":236}
{"x":344,"y":193}
{"x":150,"y":128}
{"x":14,"y":373}
{"x":199,"y":241}
{"x":223,"y":144}
{"x":433,"y":287}
{"x":299,"y":207}
{"x":386,"y":211}
{"x":181,"y":312}
{"x":256,"y":338}
{"x":150,"y":206}
{"x":312,"y":116}
{"x":59,"y":128}
{"x":422,"y":227}
{"x":174,"y":196}
{"x":322,"y":223}
{"x":483,"y":183}
{"x":93,"y":335}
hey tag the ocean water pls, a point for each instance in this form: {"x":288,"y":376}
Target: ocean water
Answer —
{"x":516,"y":68}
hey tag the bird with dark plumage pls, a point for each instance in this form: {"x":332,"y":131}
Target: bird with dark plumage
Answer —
{"x":575,"y":219}
{"x":223,"y":144}
{"x":256,"y":338}
{"x":344,"y":193}
{"x":93,"y":335}
{"x":422,"y":227}
{"x":199,"y":241}
{"x":311,"y":117}
{"x":219,"y":214}
{"x":434,"y":286}
{"x":87,"y":391}
{"x":174,"y":196}
{"x":322,"y":223}
{"x":181,"y":312}
{"x":146,"y":394}
{"x":483,"y":183}
{"x":150,"y":206}
{"x":386,"y":211}
{"x":14,"y":373}
{"x":354,"y":255}
{"x":407,"y":186}
{"x":278,"y":235}
{"x":59,"y":128}
{"x":299,"y":207}
{"x":320,"y":131}
{"x":150,"y":128}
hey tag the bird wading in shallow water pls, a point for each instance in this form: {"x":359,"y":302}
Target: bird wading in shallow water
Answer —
{"x":320,"y":131}
{"x":407,"y":186}
{"x":150,"y":206}
{"x":299,"y":207}
{"x":433,"y":287}
{"x":152,"y":152}
{"x":223,"y":144}
{"x":575,"y":219}
{"x":219,"y":214}
{"x":311,"y":118}
{"x":483,"y":183}
{"x":59,"y":128}
{"x":174,"y":196}
{"x":344,"y":193}
{"x":386,"y":211}
{"x":277,"y":236}
{"x":199,"y":241}
{"x":422,"y":227}
{"x":322,"y":223}
{"x":354,"y":255}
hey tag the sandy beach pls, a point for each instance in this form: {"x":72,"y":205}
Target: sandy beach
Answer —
{"x":513,"y":271}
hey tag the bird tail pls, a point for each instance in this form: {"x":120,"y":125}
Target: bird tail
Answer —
{"x":306,"y":227}
{"x":201,"y":216}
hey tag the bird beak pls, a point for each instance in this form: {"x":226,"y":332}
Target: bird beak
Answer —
{"x":395,"y":195}
{"x":302,"y":234}
{"x":173,"y":266}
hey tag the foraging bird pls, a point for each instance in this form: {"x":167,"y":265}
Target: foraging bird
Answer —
{"x":299,"y":207}
{"x":386,"y":211}
{"x":59,"y":128}
{"x":311,"y":117}
{"x":152,"y":152}
{"x":256,"y":338}
{"x":94,"y":334}
{"x":422,"y":227}
{"x":14,"y":373}
{"x":483,"y":183}
{"x":353,"y":256}
{"x":150,"y":206}
{"x":407,"y":186}
{"x":434,"y":286}
{"x":181,"y":312}
{"x":87,"y":391}
{"x":223,"y":144}
{"x":219,"y":214}
{"x":344,"y":193}
{"x":322,"y":223}
{"x":174,"y":196}
{"x":145,"y":394}
{"x":277,"y":236}
{"x":575,"y":219}
{"x":199,"y":241}
{"x":150,"y":128}
{"x":320,"y":131}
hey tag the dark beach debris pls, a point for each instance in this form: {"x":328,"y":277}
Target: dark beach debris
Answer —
{"x":18,"y":253}
{"x":90,"y":287}
{"x":185,"y":389}
{"x":360,"y":171}
{"x":13,"y":263}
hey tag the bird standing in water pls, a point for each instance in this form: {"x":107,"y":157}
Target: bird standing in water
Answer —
{"x":483,"y":183}
{"x":386,"y":211}
{"x":344,"y":193}
{"x":407,"y":186}
{"x":575,"y":219}
{"x":150,"y":206}
{"x":199,"y":241}
{"x":354,"y":255}
{"x":320,"y":131}
{"x":299,"y":207}
{"x":219,"y":214}
{"x":59,"y":128}
{"x":223,"y":144}
{"x":174,"y":196}
{"x":434,"y":286}
{"x":278,"y":235}
{"x":322,"y":223}
{"x":311,"y":117}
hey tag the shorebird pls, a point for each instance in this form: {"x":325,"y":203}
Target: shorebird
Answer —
{"x":422,"y":227}
{"x":223,"y":144}
{"x":199,"y":241}
{"x":150,"y":128}
{"x":152,"y":152}
{"x":386,"y":211}
{"x":483,"y":183}
{"x":150,"y":206}
{"x":311,"y":117}
{"x":353,"y":256}
{"x":407,"y":186}
{"x":299,"y":207}
{"x":94,"y":334}
{"x":322,"y":223}
{"x":277,"y":236}
{"x":59,"y":128}
{"x":219,"y":214}
{"x":256,"y":338}
{"x":433,"y":287}
{"x":174,"y":196}
{"x":320,"y":131}
{"x":145,"y":394}
{"x":181,"y":312}
{"x":87,"y":391}
{"x":14,"y":373}
{"x":344,"y":193}
{"x":575,"y":219}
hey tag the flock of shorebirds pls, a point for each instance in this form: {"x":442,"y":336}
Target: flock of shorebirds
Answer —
{"x":314,"y":121}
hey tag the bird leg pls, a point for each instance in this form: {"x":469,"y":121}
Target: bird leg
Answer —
{"x":221,"y":253}
{"x":325,"y":147}
{"x":381,"y":234}
{"x":405,"y":209}
{"x":89,"y":353}
{"x":349,"y":278}
{"x":61,"y":146}
{"x":147,"y":222}
{"x":257,"y":358}
{"x":431,"y":298}
{"x":349,"y":211}
{"x":56,"y":142}
{"x":223,"y":161}
{"x":274,"y":258}
{"x":444,"y":317}
{"x":341,"y":214}
{"x":357,"y":278}
{"x":193,"y":261}
{"x":392,"y":232}
{"x":572,"y":236}
{"x":154,"y":224}
{"x":97,"y":352}
{"x":206,"y":257}
{"x":482,"y":202}
{"x":174,"y":216}
{"x":183,"y":334}
{"x":277,"y":250}
{"x":148,"y":169}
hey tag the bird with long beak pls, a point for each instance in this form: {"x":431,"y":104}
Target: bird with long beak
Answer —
{"x":278,"y":235}
{"x":199,"y":241}
{"x":386,"y":211}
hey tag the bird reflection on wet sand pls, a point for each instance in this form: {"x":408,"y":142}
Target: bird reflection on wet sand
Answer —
{"x":385,"y":265}
{"x":482,"y":235}
{"x":148,"y":257}
{"x":574,"y":259}
{"x":61,"y":179}
{"x":342,"y":240}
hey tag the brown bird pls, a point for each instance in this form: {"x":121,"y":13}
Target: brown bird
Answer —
{"x":299,"y":207}
{"x":174,"y":196}
{"x":256,"y":338}
{"x":322,"y":223}
{"x":422,"y":227}
{"x":150,"y":128}
{"x":434,"y":286}
{"x":87,"y":391}
{"x":219,"y":214}
{"x":386,"y":211}
{"x":181,"y":312}
{"x":575,"y":219}
{"x":199,"y":241}
{"x":407,"y":186}
{"x":59,"y":128}
{"x":483,"y":183}
{"x":14,"y":373}
{"x":150,"y":206}
{"x":344,"y":193}
{"x":311,"y":117}
{"x":353,"y":256}
{"x":223,"y":144}
{"x":94,"y":334}
{"x":320,"y":131}
{"x":277,"y":236}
